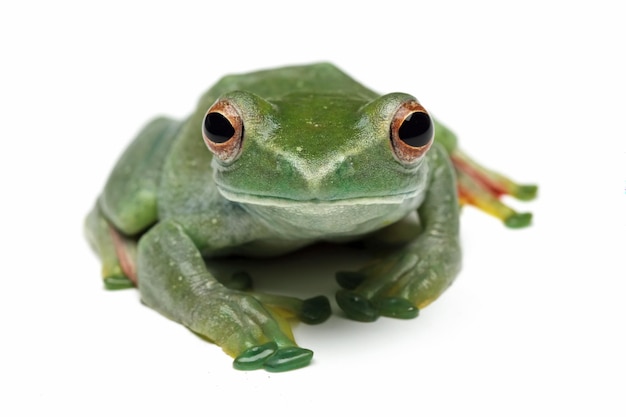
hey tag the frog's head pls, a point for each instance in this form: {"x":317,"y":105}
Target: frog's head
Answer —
{"x":322,"y":162}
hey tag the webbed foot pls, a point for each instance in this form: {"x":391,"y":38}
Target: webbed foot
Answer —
{"x":378,"y":290}
{"x":272,"y":357}
{"x":265,"y":323}
{"x":400,"y":285}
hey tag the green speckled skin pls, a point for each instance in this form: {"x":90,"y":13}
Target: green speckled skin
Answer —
{"x":316,"y":164}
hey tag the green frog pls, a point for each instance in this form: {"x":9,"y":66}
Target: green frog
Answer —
{"x":273,"y":161}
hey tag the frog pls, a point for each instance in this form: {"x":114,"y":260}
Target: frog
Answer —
{"x":273,"y":161}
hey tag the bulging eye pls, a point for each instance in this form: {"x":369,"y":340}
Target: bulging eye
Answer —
{"x":217,"y":128}
{"x":222,"y":130}
{"x":412,"y":132}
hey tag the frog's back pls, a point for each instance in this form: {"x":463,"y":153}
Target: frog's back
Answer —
{"x":321,"y":78}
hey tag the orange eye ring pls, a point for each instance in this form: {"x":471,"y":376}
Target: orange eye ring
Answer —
{"x":411,"y":132}
{"x":222,"y":130}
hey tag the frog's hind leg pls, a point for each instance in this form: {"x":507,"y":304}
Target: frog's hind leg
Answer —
{"x":127,"y":206}
{"x":118,"y":253}
{"x":483,"y":188}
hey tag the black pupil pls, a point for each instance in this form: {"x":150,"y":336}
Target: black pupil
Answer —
{"x":416,"y":130}
{"x":217,"y":128}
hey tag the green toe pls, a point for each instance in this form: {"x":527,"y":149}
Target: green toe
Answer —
{"x":526,"y":192}
{"x":255,"y":357}
{"x":315,"y":310}
{"x":518,"y":220}
{"x":356,"y":306}
{"x":398,"y":308}
{"x":118,"y":283}
{"x":287,"y":359}
{"x":349,"y":279}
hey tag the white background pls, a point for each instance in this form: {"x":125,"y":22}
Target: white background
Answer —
{"x":534,"y":324}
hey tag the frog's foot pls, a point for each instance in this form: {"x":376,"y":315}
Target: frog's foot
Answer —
{"x":374,"y":291}
{"x":310,"y":311}
{"x":117,"y":252}
{"x":481,"y":187}
{"x":400,"y":285}
{"x":270,"y":356}
{"x":252,"y":332}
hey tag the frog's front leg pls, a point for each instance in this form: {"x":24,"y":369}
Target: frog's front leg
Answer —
{"x":173,"y":279}
{"x":416,"y":274}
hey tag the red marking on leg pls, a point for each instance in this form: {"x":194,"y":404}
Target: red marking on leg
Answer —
{"x":491,"y":186}
{"x":126,"y":263}
{"x":465,"y":197}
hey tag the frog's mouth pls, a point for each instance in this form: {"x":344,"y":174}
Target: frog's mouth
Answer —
{"x":326,"y":219}
{"x":273,"y":201}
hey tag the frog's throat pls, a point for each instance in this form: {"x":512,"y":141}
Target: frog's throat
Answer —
{"x":331,"y":220}
{"x":263,"y":200}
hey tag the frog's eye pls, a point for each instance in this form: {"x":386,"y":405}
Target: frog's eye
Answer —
{"x":222,"y":130}
{"x":412,"y":132}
